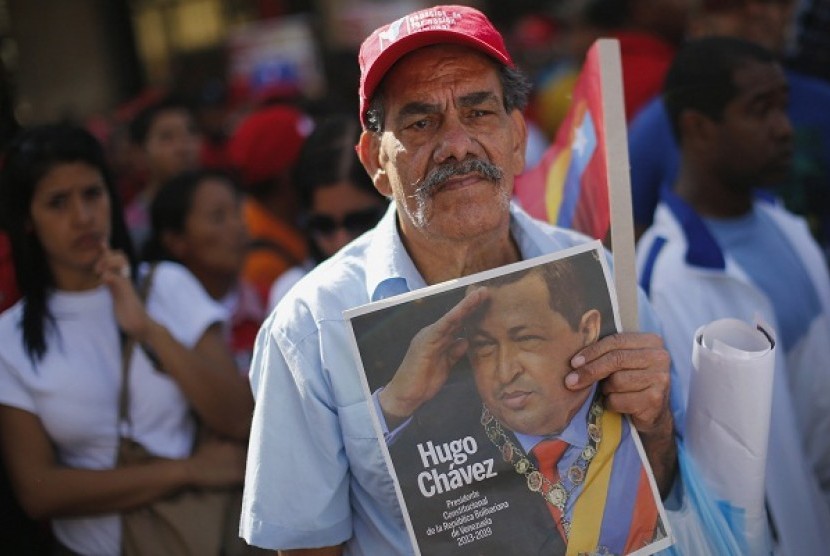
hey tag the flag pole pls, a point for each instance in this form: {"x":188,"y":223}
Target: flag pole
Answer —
{"x":619,"y":182}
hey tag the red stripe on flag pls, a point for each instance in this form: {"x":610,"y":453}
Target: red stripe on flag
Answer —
{"x":592,"y":213}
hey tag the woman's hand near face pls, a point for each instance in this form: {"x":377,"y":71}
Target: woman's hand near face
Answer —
{"x":206,"y":372}
{"x":113,"y":268}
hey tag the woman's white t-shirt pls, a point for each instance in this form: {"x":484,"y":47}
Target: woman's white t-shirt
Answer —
{"x":74,"y":389}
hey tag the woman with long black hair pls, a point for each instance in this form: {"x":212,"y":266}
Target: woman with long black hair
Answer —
{"x":61,"y":368}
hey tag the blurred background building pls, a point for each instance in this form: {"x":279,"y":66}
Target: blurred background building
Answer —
{"x":86,"y":59}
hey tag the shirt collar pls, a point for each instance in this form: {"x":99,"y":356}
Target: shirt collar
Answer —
{"x":392,"y":271}
{"x":575,"y":434}
{"x":532,"y":236}
{"x":701,"y":248}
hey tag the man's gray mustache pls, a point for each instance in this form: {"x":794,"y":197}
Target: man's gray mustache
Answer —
{"x":444,"y":172}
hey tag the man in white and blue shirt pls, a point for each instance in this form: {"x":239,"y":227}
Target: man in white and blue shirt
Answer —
{"x":716,"y":251}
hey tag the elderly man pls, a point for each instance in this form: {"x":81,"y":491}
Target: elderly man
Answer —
{"x":444,"y":136}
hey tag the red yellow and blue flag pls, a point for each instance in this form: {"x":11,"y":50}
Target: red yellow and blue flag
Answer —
{"x":569,"y":186}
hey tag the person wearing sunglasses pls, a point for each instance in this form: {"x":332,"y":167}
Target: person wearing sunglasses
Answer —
{"x":338,"y":198}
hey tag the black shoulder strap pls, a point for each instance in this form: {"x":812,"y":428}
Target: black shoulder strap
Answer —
{"x":127,"y":345}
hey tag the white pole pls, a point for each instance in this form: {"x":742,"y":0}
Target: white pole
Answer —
{"x":619,"y":182}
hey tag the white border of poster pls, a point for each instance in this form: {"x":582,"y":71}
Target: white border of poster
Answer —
{"x":472,"y":529}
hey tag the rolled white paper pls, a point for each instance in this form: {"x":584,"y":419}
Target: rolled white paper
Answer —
{"x":728,"y":417}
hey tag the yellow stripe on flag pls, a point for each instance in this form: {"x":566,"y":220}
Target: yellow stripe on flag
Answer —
{"x":555,"y":184}
{"x":558,"y":171}
{"x":590,"y":506}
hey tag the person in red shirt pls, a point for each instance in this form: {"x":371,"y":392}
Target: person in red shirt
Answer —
{"x":264,"y":150}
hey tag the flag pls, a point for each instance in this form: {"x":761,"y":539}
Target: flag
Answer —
{"x":569,"y":186}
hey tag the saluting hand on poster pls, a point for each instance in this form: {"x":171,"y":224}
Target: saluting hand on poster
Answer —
{"x":434,"y":350}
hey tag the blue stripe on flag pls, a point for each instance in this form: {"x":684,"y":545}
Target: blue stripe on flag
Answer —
{"x":582,"y":149}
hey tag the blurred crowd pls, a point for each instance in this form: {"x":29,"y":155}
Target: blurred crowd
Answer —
{"x":248,"y":192}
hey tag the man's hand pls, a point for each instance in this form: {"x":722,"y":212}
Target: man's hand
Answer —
{"x":434,"y":350}
{"x":634,"y":370}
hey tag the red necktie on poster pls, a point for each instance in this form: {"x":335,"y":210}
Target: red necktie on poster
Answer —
{"x":548,"y":453}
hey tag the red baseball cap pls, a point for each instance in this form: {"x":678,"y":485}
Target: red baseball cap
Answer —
{"x":267,"y":143}
{"x":437,"y":25}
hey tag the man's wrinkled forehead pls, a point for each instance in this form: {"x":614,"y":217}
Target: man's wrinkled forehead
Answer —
{"x":426,"y":100}
{"x":460,"y":25}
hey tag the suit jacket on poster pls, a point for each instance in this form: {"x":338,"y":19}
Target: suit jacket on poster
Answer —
{"x":500,"y":514}
{"x":522,"y":525}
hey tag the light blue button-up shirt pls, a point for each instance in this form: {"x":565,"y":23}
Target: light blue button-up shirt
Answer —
{"x":316,"y":475}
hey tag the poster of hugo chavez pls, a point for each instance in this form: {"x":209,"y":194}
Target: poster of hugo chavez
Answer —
{"x":489,"y":451}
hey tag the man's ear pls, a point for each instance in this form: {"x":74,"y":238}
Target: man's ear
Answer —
{"x":696,"y":128}
{"x":589,"y":326}
{"x":519,"y":131}
{"x":370,"y":155}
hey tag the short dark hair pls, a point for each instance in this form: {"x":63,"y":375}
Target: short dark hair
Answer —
{"x":515,"y":88}
{"x":140,"y":125}
{"x":172,"y":205}
{"x":701,"y":77}
{"x":575,"y":284}
{"x":32,"y":154}
{"x":333,"y":140}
